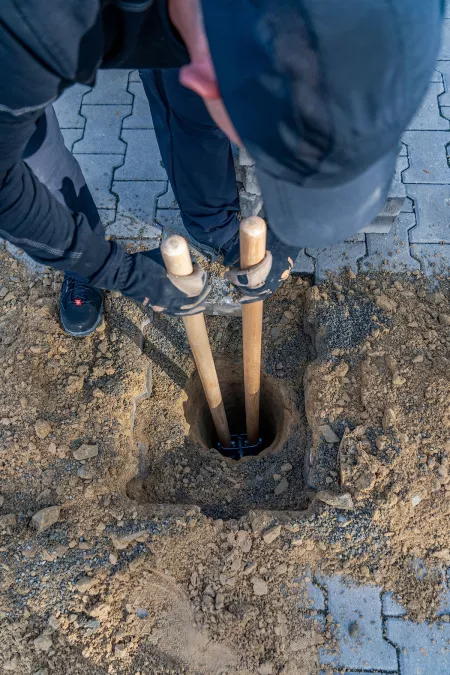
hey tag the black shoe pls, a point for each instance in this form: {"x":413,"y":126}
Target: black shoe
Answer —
{"x":80,"y":306}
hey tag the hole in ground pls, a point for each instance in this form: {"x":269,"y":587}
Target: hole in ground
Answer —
{"x":274,"y":417}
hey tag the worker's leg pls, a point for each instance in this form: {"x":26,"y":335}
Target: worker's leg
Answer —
{"x":59,"y":171}
{"x":197,"y":157}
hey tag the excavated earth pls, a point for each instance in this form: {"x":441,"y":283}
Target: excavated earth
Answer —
{"x":129,"y":544}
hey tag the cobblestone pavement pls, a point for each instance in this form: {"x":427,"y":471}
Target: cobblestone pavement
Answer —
{"x":110,"y":131}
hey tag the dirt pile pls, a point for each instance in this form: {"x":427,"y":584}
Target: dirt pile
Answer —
{"x":130,"y":546}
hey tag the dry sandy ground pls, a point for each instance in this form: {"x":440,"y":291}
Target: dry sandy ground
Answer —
{"x":128,"y":545}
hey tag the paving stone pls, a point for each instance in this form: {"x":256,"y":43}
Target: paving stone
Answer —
{"x":427,"y":157}
{"x":432,"y":204}
{"x":367,"y":651}
{"x":167,"y":200}
{"x":136,"y":209}
{"x":315,"y":599}
{"x":71,"y":136}
{"x":67,"y":107}
{"x":391,"y":251}
{"x":98,"y":172}
{"x":134,"y":76}
{"x":391,"y":606}
{"x":434,"y":258}
{"x":447,"y":10}
{"x":304,"y":264}
{"x":141,"y":117}
{"x":107,"y":216}
{"x":423,"y":649}
{"x":110,"y":88}
{"x":334,"y":259}
{"x":428,"y":117}
{"x":170,"y":221}
{"x":444,"y":54}
{"x":143,"y":161}
{"x":443,"y":69}
{"x":102,"y":131}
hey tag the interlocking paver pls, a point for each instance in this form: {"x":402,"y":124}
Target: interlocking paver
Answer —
{"x":432,"y":204}
{"x":445,"y":45}
{"x":68,"y":105}
{"x":423,"y":649}
{"x":390,"y":605}
{"x":391,"y":251}
{"x":167,"y":200}
{"x":428,"y":116}
{"x":98,"y":172}
{"x":443,"y":68}
{"x":434,"y":258}
{"x":427,"y":157}
{"x":336,"y":258}
{"x":134,"y":76}
{"x":170,"y":221}
{"x":71,"y":136}
{"x":136,"y":209}
{"x":110,"y":88}
{"x":143,"y":160}
{"x":367,"y":650}
{"x":141,"y":117}
{"x":106,"y":216}
{"x":304,"y":264}
{"x":102,"y":131}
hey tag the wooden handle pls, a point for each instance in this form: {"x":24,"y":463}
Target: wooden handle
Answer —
{"x":177,"y":259}
{"x":253,"y":234}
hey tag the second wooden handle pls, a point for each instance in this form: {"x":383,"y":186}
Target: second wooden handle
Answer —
{"x":253,"y":234}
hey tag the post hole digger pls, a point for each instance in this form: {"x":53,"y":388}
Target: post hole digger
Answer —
{"x":253,"y":255}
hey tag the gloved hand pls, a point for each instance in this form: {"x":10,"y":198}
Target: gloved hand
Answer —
{"x":149,"y":283}
{"x":263,"y":279}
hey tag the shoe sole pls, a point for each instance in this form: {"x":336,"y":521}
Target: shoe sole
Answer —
{"x":86,"y":332}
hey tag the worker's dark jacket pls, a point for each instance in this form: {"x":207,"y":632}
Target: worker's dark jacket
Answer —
{"x":45,"y":47}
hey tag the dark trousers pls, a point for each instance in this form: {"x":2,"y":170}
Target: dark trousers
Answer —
{"x":197,"y":157}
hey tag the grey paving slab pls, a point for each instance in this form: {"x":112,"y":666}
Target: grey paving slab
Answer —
{"x":71,"y":136}
{"x":143,"y":160}
{"x":110,"y":88}
{"x":167,"y":200}
{"x":68,"y":105}
{"x":107,"y":216}
{"x":136,"y":209}
{"x":304,"y":264}
{"x":432,"y":205}
{"x":391,"y":252}
{"x":102,"y":130}
{"x":367,"y":650}
{"x":428,"y":116}
{"x":335,"y":259}
{"x":170,"y":221}
{"x":390,"y":605}
{"x":423,"y":649}
{"x":141,"y":117}
{"x":98,"y":172}
{"x":434,"y":258}
{"x":427,"y":157}
{"x":443,"y":69}
{"x":134,"y":76}
{"x":445,"y":44}
{"x":447,"y":10}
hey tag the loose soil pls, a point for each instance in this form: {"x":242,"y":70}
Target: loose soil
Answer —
{"x":162,"y":556}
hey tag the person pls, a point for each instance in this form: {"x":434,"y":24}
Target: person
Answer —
{"x":319,"y":94}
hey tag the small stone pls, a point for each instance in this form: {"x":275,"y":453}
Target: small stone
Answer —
{"x":120,"y":650}
{"x":353,"y":629}
{"x":328,"y":434}
{"x":260,"y":587}
{"x":338,"y":501}
{"x":328,"y":480}
{"x":266,"y":668}
{"x":243,"y":540}
{"x":289,"y":315}
{"x":276,"y":476}
{"x":2,"y":500}
{"x":444,"y":319}
{"x":415,"y":500}
{"x":43,"y":643}
{"x":42,"y":428}
{"x":398,"y":380}
{"x":122,"y":542}
{"x":84,"y":473}
{"x":285,"y":468}
{"x":385,"y":303}
{"x":281,"y":487}
{"x":275,"y":332}
{"x":251,"y":567}
{"x":45,"y":518}
{"x":418,"y":358}
{"x":54,"y":622}
{"x":281,"y":569}
{"x":84,"y":584}
{"x":271,"y":534}
{"x":100,"y":611}
{"x":85,"y":452}
{"x":113,"y":559}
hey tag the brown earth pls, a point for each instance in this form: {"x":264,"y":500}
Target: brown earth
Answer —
{"x":159,"y":554}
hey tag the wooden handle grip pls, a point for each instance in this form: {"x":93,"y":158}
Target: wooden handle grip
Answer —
{"x":253,"y":235}
{"x":177,"y":259}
